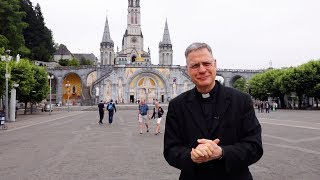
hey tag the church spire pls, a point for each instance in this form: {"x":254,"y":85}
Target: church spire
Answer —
{"x":106,"y":46}
{"x":106,"y":34}
{"x":165,"y":48}
{"x":166,"y":35}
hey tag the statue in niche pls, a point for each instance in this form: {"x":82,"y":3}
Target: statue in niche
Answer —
{"x":129,"y":72}
{"x":174,"y":86}
{"x":147,"y":82}
{"x":74,"y":90}
{"x":97,"y":91}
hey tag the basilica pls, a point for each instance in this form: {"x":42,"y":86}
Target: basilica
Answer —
{"x":134,"y":77}
{"x":127,"y":75}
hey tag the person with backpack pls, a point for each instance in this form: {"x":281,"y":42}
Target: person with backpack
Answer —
{"x":111,"y":107}
{"x":157,"y":114}
{"x":101,"y":111}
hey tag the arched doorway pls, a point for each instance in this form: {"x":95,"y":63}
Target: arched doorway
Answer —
{"x":71,"y":89}
{"x":133,"y":58}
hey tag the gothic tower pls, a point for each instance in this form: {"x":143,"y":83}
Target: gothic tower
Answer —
{"x":132,"y":41}
{"x":106,"y":47}
{"x":165,"y":48}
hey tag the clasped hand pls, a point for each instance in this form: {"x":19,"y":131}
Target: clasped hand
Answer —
{"x":206,"y":150}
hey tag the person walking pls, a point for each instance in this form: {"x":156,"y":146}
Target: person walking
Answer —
{"x":143,"y":115}
{"x":267,"y":107}
{"x":211,"y":131}
{"x":157,"y":115}
{"x":111,"y":107}
{"x":101,"y":111}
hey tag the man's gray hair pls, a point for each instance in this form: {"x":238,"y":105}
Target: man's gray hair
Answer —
{"x":196,"y":46}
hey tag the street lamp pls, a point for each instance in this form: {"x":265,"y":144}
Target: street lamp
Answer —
{"x":68,"y":85}
{"x":7,"y":58}
{"x":50,"y":78}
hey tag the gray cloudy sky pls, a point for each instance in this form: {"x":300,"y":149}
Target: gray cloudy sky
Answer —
{"x":244,"y":34}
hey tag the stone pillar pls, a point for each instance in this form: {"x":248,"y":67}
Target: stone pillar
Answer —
{"x":59,"y":88}
{"x":13,"y":105}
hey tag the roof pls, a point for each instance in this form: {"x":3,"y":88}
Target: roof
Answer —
{"x":63,"y":50}
{"x":90,"y":57}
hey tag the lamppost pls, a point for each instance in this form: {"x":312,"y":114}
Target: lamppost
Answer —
{"x":68,"y":85}
{"x":7,"y":58}
{"x":50,"y":104}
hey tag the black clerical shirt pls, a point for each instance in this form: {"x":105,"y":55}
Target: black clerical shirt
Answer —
{"x":208,"y":107}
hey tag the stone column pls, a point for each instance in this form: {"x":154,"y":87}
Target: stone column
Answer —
{"x":59,"y":87}
{"x":13,"y":105}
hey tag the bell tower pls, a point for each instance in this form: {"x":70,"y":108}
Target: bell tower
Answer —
{"x":165,"y":48}
{"x":106,"y":47}
{"x":133,"y":38}
{"x":132,"y":42}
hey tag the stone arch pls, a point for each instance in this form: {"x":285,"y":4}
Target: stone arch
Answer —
{"x":71,"y":89}
{"x":91,"y":78}
{"x":221,"y":78}
{"x":236,"y":77}
{"x":149,"y":73}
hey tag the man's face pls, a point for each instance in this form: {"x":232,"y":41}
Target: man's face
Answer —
{"x":201,"y":68}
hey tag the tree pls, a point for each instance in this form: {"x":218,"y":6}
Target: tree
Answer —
{"x":299,"y":80}
{"x":240,"y":84}
{"x":84,"y":61}
{"x":23,"y":74}
{"x":3,"y":43}
{"x":32,"y":80}
{"x":259,"y":87}
{"x":64,"y":62}
{"x":2,"y":78}
{"x":11,"y":26}
{"x":41,"y":87}
{"x":267,"y":84}
{"x":316,"y":90}
{"x":37,"y":36}
{"x":74,"y":62}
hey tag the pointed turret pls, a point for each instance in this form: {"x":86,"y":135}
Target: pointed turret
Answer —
{"x":106,"y":33}
{"x":165,"y":47}
{"x":106,"y":46}
{"x":166,"y":35}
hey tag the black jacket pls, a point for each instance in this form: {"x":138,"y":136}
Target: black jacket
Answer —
{"x":160,"y":112}
{"x":235,"y":125}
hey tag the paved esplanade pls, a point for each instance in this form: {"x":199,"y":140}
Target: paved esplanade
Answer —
{"x":73,"y":146}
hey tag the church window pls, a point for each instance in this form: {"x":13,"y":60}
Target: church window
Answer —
{"x":110,"y":57}
{"x":132,"y":18}
{"x":136,"y":18}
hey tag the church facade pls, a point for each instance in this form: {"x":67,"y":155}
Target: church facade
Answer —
{"x":128,"y":75}
{"x":134,"y":77}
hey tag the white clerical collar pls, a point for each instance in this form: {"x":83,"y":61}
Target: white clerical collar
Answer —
{"x":205,"y":95}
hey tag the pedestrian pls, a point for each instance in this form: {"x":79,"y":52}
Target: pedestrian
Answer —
{"x":157,"y":115}
{"x":267,"y":107}
{"x":101,"y":111}
{"x":211,"y":131}
{"x":143,"y":115}
{"x":111,"y":107}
